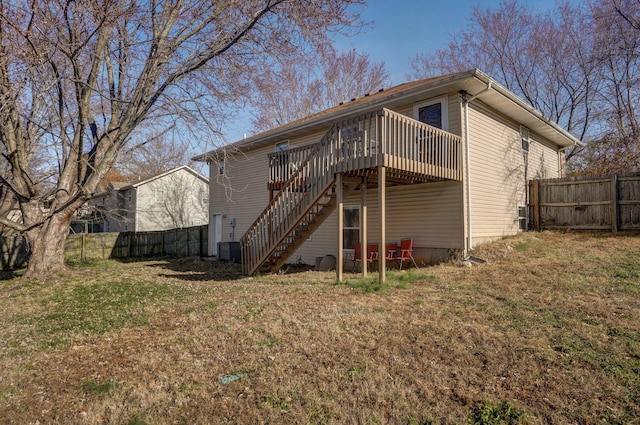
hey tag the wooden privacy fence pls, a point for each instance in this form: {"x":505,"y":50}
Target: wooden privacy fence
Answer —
{"x":586,"y":203}
{"x":187,"y":242}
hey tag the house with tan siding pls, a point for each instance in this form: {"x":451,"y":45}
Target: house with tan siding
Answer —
{"x":443,"y":161}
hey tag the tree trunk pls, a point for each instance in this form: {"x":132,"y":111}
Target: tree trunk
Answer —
{"x":46,"y":247}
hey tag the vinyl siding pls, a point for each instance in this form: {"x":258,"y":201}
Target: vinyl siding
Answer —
{"x":497,"y":171}
{"x":429,"y":213}
{"x":181,"y":206}
{"x":241,"y":193}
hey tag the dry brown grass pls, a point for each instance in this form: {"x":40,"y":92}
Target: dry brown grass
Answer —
{"x":550,"y":325}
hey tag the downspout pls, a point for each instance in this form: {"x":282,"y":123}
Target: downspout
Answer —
{"x":465,"y":101}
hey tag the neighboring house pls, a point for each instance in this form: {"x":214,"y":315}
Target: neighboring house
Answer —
{"x":174,"y":199}
{"x":443,"y":161}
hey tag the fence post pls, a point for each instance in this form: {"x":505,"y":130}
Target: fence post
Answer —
{"x":614,"y":203}
{"x":534,"y":203}
{"x":82,"y":241}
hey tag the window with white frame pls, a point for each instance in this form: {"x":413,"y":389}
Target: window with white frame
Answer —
{"x":221,"y":167}
{"x":159,"y":195}
{"x":351,"y":227}
{"x":525,"y":138}
{"x":433,"y":112}
{"x":205,"y":197}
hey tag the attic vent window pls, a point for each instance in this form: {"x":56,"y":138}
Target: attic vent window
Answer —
{"x":282,"y":146}
{"x":525,"y":139}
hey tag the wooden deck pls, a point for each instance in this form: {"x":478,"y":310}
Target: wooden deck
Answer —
{"x":413,"y":152}
{"x":304,"y":178}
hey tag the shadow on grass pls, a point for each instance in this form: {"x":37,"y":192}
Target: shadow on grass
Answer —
{"x":198,"y":269}
{"x":11,"y":274}
{"x":192,"y":269}
{"x":211,"y":269}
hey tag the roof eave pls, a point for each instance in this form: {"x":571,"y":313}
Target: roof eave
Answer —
{"x":569,"y":139}
{"x":559,"y":136}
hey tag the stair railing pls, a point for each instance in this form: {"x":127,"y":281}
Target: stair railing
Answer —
{"x":311,"y":180}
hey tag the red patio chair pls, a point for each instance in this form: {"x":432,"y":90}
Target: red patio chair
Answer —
{"x":372,"y":252}
{"x":357,"y":256}
{"x":391,"y":251}
{"x":406,"y":252}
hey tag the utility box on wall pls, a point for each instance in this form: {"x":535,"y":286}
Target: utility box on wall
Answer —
{"x":229,"y":251}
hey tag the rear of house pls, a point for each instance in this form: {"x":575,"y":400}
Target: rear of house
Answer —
{"x":443,"y":161}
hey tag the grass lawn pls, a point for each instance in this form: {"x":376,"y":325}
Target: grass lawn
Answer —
{"x":547,"y":332}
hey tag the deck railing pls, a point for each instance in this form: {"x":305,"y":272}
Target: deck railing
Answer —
{"x":384,"y":138}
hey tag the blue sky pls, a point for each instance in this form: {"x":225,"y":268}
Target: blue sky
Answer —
{"x":401,"y":29}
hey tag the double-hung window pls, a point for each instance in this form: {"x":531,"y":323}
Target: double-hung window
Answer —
{"x":282,"y":146}
{"x":284,"y":167}
{"x":351,"y":227}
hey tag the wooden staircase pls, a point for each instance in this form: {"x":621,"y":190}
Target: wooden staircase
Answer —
{"x":303,"y":203}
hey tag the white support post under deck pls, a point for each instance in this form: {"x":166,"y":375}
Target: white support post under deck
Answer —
{"x":340,"y":202}
{"x":382,"y":205}
{"x":363,"y":226}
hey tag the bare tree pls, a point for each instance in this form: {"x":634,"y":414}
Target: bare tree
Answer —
{"x":617,"y":148}
{"x":308,"y":84}
{"x":79,"y":78}
{"x":154,"y":156}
